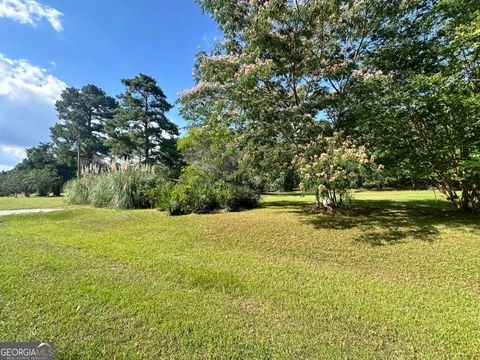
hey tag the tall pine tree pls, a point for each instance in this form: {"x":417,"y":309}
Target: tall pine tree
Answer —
{"x":80,"y":134}
{"x":141,"y":130}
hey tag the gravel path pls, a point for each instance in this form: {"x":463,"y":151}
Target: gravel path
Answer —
{"x":25,"y":211}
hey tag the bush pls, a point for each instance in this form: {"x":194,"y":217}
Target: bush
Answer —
{"x":239,"y":197}
{"x":133,"y":188}
{"x":179,"y":203}
{"x":197,"y":192}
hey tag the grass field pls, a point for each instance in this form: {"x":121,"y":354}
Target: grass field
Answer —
{"x":278,"y":282}
{"x":33,"y":202}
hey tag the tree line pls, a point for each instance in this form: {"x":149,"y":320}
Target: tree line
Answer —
{"x":93,"y":128}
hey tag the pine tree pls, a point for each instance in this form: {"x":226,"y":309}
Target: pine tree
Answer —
{"x":141,"y":130}
{"x":80,"y":134}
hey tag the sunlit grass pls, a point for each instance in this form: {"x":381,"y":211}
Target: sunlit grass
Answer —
{"x":281,"y":281}
{"x":32,"y":202}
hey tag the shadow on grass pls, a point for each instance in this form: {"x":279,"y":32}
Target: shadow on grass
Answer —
{"x":383,"y":222}
{"x":404,"y":204}
{"x":296,"y":205}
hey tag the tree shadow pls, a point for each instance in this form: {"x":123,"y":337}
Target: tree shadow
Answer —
{"x":293,"y":200}
{"x":384,"y":222}
{"x":284,"y":204}
{"x":404,"y":204}
{"x":392,"y":226}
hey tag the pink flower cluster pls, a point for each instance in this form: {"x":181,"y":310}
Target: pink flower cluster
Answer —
{"x":366,"y":75}
{"x":201,"y":85}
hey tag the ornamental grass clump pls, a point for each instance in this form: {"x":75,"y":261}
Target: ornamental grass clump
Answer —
{"x":77,"y":191}
{"x":123,"y":187}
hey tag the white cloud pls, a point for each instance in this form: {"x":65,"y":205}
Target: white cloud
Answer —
{"x":10,"y":156}
{"x":30,"y":12}
{"x":14,"y":151}
{"x":27,"y":97}
{"x":19,"y":81}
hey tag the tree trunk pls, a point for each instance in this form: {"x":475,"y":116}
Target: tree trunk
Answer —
{"x":147,"y":140}
{"x":467,"y":202}
{"x":327,"y":202}
{"x":79,"y":171}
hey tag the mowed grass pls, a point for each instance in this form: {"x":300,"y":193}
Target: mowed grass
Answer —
{"x":32,"y":202}
{"x":281,"y":281}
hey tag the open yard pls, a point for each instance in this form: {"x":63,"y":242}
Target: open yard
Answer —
{"x":33,"y":202}
{"x":396,"y":276}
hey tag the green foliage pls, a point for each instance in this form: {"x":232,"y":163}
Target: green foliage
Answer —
{"x":234,"y":198}
{"x":219,"y":151}
{"x":212,"y":148}
{"x":283,"y":69}
{"x":162,"y":193}
{"x":125,"y":189}
{"x":140,"y":129}
{"x":46,"y":174}
{"x":38,"y":157}
{"x":44,"y":181}
{"x":199,"y":192}
{"x":40,"y":181}
{"x":195,"y":193}
{"x":424,"y":114}
{"x":3,"y":184}
{"x":82,"y":113}
{"x":400,"y":76}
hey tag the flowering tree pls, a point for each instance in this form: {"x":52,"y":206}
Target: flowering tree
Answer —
{"x":332,"y":166}
{"x":280,"y":68}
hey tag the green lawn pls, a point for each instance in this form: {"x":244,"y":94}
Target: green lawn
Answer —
{"x":278,"y":282}
{"x":33,"y":202}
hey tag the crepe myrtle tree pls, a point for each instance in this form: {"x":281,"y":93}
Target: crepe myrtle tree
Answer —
{"x":332,"y":166}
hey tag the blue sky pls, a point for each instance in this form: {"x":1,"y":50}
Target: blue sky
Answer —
{"x":46,"y":45}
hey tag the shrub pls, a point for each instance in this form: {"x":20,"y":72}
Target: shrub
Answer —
{"x":162,"y":194}
{"x":179,"y":203}
{"x":241,"y":197}
{"x":197,"y":192}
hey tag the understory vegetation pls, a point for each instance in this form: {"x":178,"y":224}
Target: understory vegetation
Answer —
{"x":137,"y":187}
{"x":198,"y":192}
